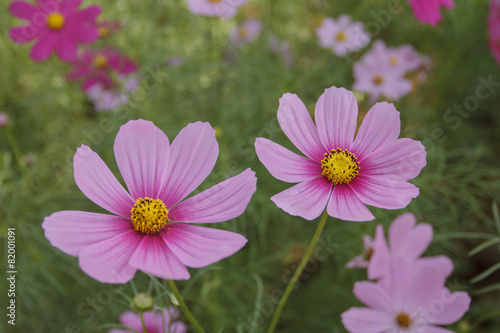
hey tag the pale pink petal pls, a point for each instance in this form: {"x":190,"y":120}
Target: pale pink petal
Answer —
{"x":307,"y":199}
{"x":426,"y":286}
{"x":153,"y":256}
{"x":403,"y":159}
{"x":97,"y":182}
{"x":23,"y":10}
{"x":455,"y":306}
{"x":345,"y":205}
{"x":87,"y":15}
{"x":198,"y":246}
{"x":384,"y":192}
{"x":192,"y":157}
{"x":357,"y":262}
{"x":418,"y":241}
{"x":107,"y":261}
{"x":284,"y":164}
{"x":42,"y":49}
{"x":399,"y":282}
{"x":142,"y":152}
{"x":66,"y":49}
{"x":222,"y":202}
{"x":381,"y":126}
{"x":373,"y":296}
{"x":23,"y":34}
{"x":178,"y":327}
{"x":379,"y":264}
{"x":336,"y":116}
{"x":69,"y":6}
{"x":400,"y":230}
{"x":297,"y":124}
{"x":71,"y":231}
{"x":443,"y":264}
{"x":363,"y":320}
{"x":433,"y":329}
{"x":131,"y":319}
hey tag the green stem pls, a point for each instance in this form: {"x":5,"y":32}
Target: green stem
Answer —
{"x":17,"y":153}
{"x":184,"y":307}
{"x":297,"y":273}
{"x":144,"y":329}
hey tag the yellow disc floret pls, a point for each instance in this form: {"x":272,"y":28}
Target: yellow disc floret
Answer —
{"x":100,"y":61}
{"x":55,"y":21}
{"x":149,"y":215}
{"x":393,"y":60}
{"x":403,"y":320}
{"x":341,"y":36}
{"x":340,"y":166}
{"x":378,"y":80}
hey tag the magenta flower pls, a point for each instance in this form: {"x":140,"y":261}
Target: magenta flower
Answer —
{"x":106,"y":28}
{"x":494,"y":29}
{"x":217,"y":8}
{"x":151,"y":229}
{"x":342,"y":36}
{"x":57,"y":25}
{"x":408,"y":241}
{"x":101,"y":66}
{"x":362,"y":260}
{"x":153,"y":321}
{"x":340,"y":172}
{"x":429,"y":11}
{"x":246,"y":32}
{"x":410,"y":303}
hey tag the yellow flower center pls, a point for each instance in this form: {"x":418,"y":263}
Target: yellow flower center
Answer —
{"x":243,"y":32}
{"x":215,"y":0}
{"x":103,"y":31}
{"x":341,"y":36}
{"x":403,"y":320}
{"x":378,"y":80}
{"x":340,"y":166}
{"x":100,"y":61}
{"x":55,"y":21}
{"x":149,"y":215}
{"x":393,"y":60}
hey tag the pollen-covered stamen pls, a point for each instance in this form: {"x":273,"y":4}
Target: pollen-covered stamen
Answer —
{"x":55,"y":21}
{"x":100,"y":61}
{"x":340,"y":166}
{"x":149,"y":215}
{"x":393,"y":60}
{"x":341,"y":36}
{"x":403,"y":320}
{"x":378,"y":80}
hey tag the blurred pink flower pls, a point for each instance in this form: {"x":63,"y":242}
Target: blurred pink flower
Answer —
{"x":410,"y":303}
{"x":4,"y":119}
{"x":57,"y":25}
{"x":100,"y":66}
{"x":341,"y":173}
{"x":281,"y":48}
{"x":246,"y":32}
{"x":494,"y":29}
{"x":153,"y":321}
{"x":408,"y":241}
{"x":342,"y":36}
{"x":106,"y":28}
{"x":402,"y":59}
{"x":429,"y":11}
{"x":218,"y":8}
{"x":362,"y":260}
{"x":106,"y":100}
{"x":175,"y":61}
{"x":145,"y":232}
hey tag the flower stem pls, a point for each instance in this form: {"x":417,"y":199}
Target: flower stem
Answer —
{"x":184,"y":307}
{"x":144,"y":329}
{"x":297,"y":273}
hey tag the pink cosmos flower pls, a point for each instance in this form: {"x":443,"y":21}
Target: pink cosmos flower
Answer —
{"x":402,"y":59}
{"x":410,"y":303}
{"x":429,"y":11}
{"x":151,"y":227}
{"x":57,"y":25}
{"x":408,"y":241}
{"x":4,"y":119}
{"x":100,"y":66}
{"x":106,"y":100}
{"x":245,"y":33}
{"x":106,"y":28}
{"x":217,"y":8}
{"x":362,"y":260}
{"x":494,"y":29}
{"x":154,"y":322}
{"x":342,"y":36}
{"x":340,"y":172}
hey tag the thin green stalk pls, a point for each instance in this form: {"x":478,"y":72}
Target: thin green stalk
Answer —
{"x":144,"y":329}
{"x":297,"y":273}
{"x":17,"y":153}
{"x":184,"y":307}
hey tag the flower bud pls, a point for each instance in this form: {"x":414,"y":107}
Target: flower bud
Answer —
{"x":143,"y":302}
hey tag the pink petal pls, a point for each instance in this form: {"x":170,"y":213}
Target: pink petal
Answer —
{"x":373,"y":296}
{"x":122,"y":64}
{"x":380,"y":127}
{"x":455,"y":306}
{"x":192,"y":157}
{"x":23,"y":10}
{"x":403,"y":159}
{"x":297,"y":124}
{"x":285,"y":165}
{"x":426,"y":286}
{"x":199,"y":247}
{"x":443,"y":264}
{"x":222,"y":202}
{"x":98,"y":183}
{"x":107,"y":261}
{"x":357,"y":262}
{"x":66,"y":49}
{"x":384,"y":192}
{"x":23,"y":34}
{"x":307,"y":199}
{"x":379,"y":264}
{"x":363,"y":320}
{"x":69,"y":6}
{"x":71,"y":231}
{"x":399,"y":278}
{"x":450,"y":4}
{"x":155,"y":257}
{"x":336,"y":116}
{"x":132,"y":320}
{"x":434,"y":329}
{"x":418,"y":241}
{"x":400,"y":230}
{"x":87,"y":15}
{"x":43,"y":47}
{"x":83,"y":34}
{"x":142,"y":152}
{"x":345,"y":205}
